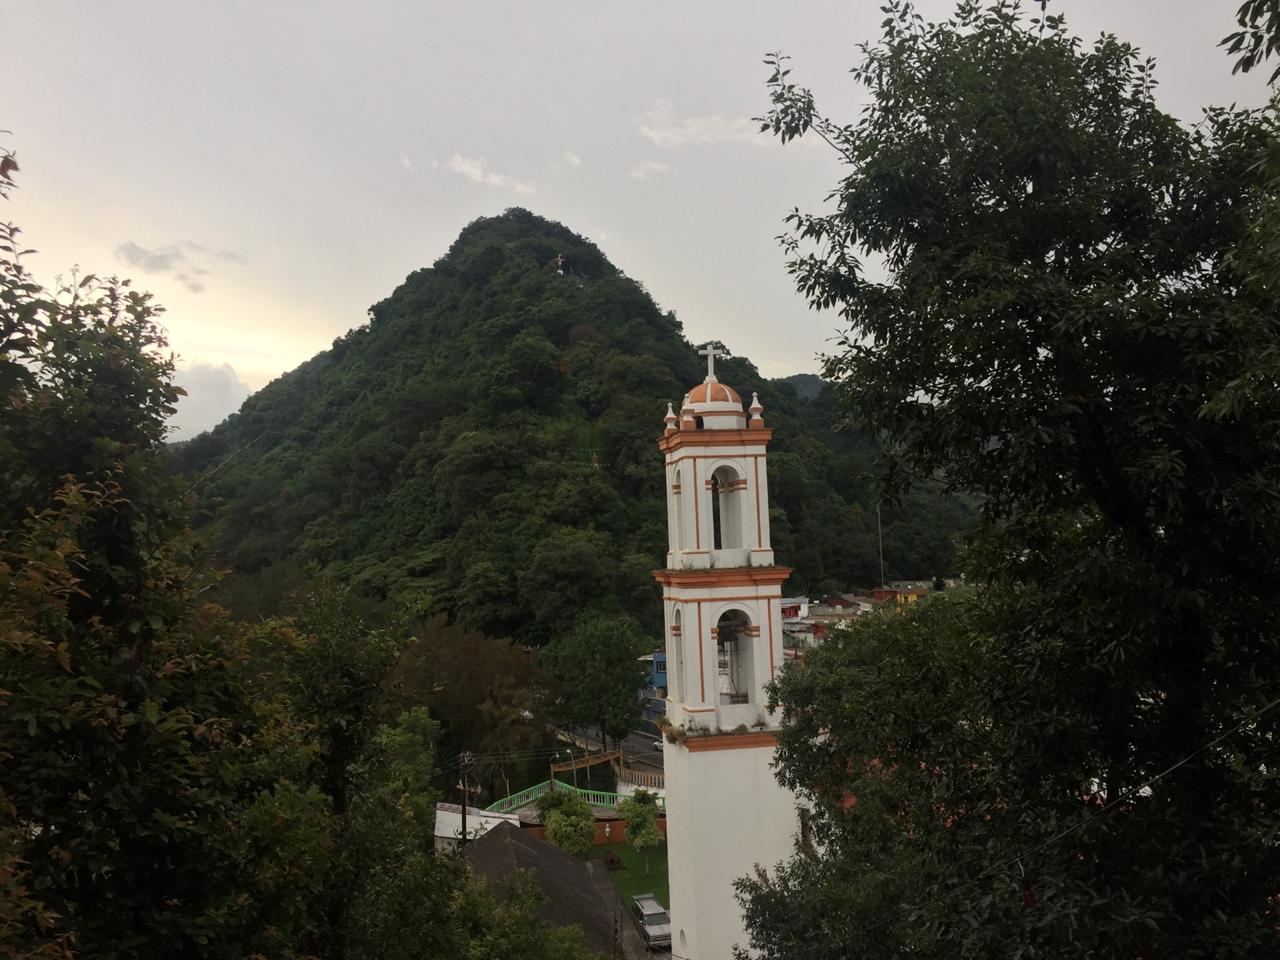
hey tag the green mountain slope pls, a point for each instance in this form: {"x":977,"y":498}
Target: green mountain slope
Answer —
{"x":485,"y":447}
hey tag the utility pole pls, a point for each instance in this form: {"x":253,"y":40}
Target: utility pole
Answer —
{"x":880,"y":535}
{"x":466,"y":763}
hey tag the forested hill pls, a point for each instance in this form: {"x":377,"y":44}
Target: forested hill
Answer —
{"x":485,"y":447}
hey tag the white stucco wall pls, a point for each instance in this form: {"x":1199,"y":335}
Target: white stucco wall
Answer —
{"x":725,"y":814}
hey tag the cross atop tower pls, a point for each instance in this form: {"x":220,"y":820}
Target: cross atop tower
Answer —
{"x":711,"y":351}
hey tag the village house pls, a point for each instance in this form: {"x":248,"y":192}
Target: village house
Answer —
{"x":577,"y":892}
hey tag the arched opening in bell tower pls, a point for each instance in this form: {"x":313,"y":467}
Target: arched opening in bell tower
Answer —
{"x":726,"y":508}
{"x":675,"y":661}
{"x":735,"y":658}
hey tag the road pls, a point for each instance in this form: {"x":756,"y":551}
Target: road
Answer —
{"x":637,"y":745}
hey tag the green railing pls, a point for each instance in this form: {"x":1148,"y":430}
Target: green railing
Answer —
{"x":521,"y":799}
{"x":594,"y":798}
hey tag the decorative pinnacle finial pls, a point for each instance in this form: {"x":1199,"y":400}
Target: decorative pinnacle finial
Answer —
{"x":756,"y":409}
{"x":670,"y":419}
{"x":711,"y":351}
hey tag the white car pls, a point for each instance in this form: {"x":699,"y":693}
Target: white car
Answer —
{"x":654,"y":920}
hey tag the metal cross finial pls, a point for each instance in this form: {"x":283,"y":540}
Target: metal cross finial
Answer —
{"x":711,"y":351}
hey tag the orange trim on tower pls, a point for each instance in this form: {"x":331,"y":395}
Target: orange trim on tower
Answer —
{"x":768,"y":609}
{"x":759,"y":534}
{"x":724,"y":577}
{"x":702,"y":687}
{"x":697,"y":522}
{"x":731,"y":741}
{"x":745,"y":596}
{"x":707,"y":393}
{"x":715,"y":438}
{"x":716,"y":456}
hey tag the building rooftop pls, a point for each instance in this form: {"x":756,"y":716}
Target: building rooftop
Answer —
{"x":577,"y":892}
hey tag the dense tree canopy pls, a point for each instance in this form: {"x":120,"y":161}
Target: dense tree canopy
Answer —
{"x":598,"y":674}
{"x":149,"y":797}
{"x":570,"y":821}
{"x":640,"y":811}
{"x":1078,"y":757}
{"x":491,"y":698}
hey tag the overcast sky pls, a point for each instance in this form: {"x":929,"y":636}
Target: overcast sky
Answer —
{"x":270,"y":169}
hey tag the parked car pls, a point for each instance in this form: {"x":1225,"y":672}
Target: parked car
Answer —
{"x":654,"y":920}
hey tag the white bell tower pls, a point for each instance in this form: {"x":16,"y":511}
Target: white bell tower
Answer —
{"x":723,"y":621}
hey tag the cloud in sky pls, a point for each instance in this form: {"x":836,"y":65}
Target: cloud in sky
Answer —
{"x":213,"y":394}
{"x":477,"y":169}
{"x":651,"y":168}
{"x":184,"y":261}
{"x":572,"y":159}
{"x":663,"y":127}
{"x":405,"y":162}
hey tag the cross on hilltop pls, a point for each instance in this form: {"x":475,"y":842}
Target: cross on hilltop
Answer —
{"x":711,"y":351}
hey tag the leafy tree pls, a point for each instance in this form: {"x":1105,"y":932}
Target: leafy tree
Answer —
{"x":1063,"y":329}
{"x":1258,"y":37}
{"x":405,"y":902}
{"x":571,"y":825}
{"x":334,"y":672}
{"x":149,"y":795}
{"x":173,"y":783}
{"x":640,"y":810}
{"x":499,"y":921}
{"x":487,"y":693}
{"x":598,"y":674}
{"x":395,"y":890}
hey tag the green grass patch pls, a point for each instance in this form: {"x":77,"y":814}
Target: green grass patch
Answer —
{"x":631,"y":879}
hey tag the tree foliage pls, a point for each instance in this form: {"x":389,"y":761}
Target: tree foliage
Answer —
{"x":598,"y":674}
{"x":1064,"y":328}
{"x":570,"y":822}
{"x":488,"y":694}
{"x":640,"y":811}
{"x":172,"y":782}
{"x":1258,"y":37}
{"x":147,"y":795}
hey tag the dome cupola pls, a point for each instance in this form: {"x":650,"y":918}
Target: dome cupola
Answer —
{"x":712,"y":405}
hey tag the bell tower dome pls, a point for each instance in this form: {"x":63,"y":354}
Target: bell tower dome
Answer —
{"x":718,"y":488}
{"x":723,"y":622}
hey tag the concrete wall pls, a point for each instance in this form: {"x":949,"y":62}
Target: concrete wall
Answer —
{"x":725,"y":814}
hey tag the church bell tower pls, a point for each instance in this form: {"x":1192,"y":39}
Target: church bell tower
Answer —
{"x":721,"y":593}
